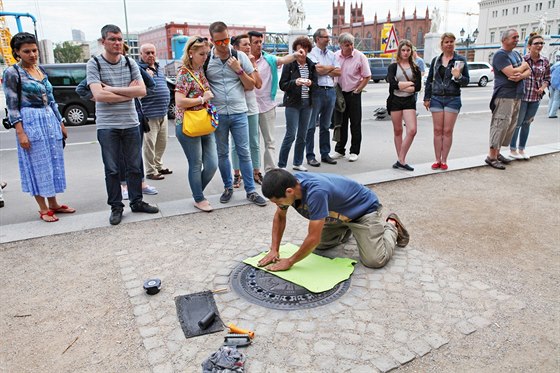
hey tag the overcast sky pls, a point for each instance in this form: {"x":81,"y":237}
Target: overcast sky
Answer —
{"x":56,"y":18}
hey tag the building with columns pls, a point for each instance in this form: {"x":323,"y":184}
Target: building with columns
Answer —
{"x":368,"y":33}
{"x":497,"y":16}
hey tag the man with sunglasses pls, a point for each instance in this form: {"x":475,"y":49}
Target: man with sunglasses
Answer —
{"x":229,"y":77}
{"x":336,"y":207}
{"x":267,"y":65}
{"x":114,"y":86}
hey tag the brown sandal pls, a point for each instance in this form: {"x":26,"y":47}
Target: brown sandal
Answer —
{"x":237,"y":180}
{"x":494,"y":163}
{"x":258,"y":177}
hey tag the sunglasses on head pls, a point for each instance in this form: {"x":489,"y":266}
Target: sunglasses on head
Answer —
{"x":222,"y":42}
{"x":201,"y":40}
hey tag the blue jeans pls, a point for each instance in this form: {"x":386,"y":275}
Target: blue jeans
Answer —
{"x":238,"y":125}
{"x":527,"y":112}
{"x":117,"y":143}
{"x":297,"y":120}
{"x":554,"y":102}
{"x":253,"y":144}
{"x":323,"y":106}
{"x":203,"y":160}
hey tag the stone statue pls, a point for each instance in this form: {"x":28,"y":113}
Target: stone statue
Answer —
{"x":297,"y":14}
{"x":436,"y":20}
{"x":541,"y":28}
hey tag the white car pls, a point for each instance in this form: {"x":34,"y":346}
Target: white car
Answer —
{"x":480,"y":73}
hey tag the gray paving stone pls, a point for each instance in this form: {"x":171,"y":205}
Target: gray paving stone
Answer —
{"x":324,"y":346}
{"x":139,"y":299}
{"x":163,"y":368}
{"x":285,"y":327}
{"x":152,"y":342}
{"x":345,"y":351}
{"x":385,"y":363}
{"x":479,"y":321}
{"x":400,"y":336}
{"x":306,"y":326}
{"x":157,"y":356}
{"x":145,"y":320}
{"x":480,"y":285}
{"x":433,"y":297}
{"x":148,"y":331}
{"x":402,"y":355}
{"x":141,"y":309}
{"x":435,"y":340}
{"x":426,"y":278}
{"x":419,"y":346}
{"x":127,"y":270}
{"x":465,"y":327}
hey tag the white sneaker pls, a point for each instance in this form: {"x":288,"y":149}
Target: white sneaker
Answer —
{"x":300,"y":168}
{"x":337,"y":155}
{"x":515,"y":155}
{"x":353,"y":157}
{"x":524,"y":156}
{"x":124,"y":193}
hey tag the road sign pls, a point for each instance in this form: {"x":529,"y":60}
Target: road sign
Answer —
{"x":392,"y":42}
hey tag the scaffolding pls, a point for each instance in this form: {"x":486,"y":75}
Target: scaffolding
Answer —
{"x":5,"y":37}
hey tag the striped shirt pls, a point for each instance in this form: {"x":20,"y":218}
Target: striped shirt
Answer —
{"x":304,"y":73}
{"x":118,"y":115}
{"x":156,"y":103}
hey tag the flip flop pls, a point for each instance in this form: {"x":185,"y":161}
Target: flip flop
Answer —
{"x":63,"y":209}
{"x":49,"y":213}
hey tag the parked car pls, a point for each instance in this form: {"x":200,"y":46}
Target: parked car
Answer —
{"x":480,"y":73}
{"x":379,"y":68}
{"x":64,"y":78}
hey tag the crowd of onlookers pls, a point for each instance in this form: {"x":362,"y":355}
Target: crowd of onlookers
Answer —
{"x":235,"y":83}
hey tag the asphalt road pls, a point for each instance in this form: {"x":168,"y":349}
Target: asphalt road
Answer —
{"x":84,"y":168}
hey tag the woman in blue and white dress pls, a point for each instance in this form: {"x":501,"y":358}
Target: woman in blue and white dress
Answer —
{"x":40,"y":130}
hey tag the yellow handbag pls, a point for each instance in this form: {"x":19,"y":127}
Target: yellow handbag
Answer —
{"x":200,"y":122}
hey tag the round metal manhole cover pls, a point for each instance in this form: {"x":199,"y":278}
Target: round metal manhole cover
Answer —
{"x":268,"y":290}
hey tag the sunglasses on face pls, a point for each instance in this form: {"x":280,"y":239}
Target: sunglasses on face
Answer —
{"x":539,"y":43}
{"x":222,"y":42}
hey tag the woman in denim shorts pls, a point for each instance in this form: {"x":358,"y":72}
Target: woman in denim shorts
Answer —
{"x":442,"y":96}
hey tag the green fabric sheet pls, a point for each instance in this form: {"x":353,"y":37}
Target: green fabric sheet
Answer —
{"x":315,"y":273}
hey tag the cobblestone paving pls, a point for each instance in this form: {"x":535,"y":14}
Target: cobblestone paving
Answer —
{"x":387,"y":318}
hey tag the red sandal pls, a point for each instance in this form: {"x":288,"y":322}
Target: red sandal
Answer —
{"x":444,"y":166}
{"x":64,"y":209}
{"x":50,"y":214}
{"x":436,"y":165}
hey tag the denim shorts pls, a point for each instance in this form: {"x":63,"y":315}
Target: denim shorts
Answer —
{"x":451,"y":104}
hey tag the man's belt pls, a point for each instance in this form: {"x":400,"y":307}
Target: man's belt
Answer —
{"x":325,"y":87}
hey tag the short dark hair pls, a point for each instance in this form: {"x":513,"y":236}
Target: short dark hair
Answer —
{"x":110,"y":28}
{"x":217,"y":26}
{"x":276,"y":182}
{"x":304,"y":42}
{"x":255,"y":34}
{"x":235,"y":40}
{"x":19,"y":39}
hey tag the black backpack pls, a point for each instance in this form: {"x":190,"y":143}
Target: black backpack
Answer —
{"x":83,"y":89}
{"x":205,"y":66}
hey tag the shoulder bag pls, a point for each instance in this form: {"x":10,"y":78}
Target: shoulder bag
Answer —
{"x":200,"y":122}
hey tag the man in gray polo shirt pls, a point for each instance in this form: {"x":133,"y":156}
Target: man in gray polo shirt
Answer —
{"x":229,"y":77}
{"x":114,"y":82}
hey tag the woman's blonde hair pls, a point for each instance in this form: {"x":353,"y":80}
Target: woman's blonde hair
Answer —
{"x":448,"y":35}
{"x":195,"y":43}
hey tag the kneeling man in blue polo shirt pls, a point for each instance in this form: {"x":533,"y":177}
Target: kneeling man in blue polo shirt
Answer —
{"x":335,"y":206}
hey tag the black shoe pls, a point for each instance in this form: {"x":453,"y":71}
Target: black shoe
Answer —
{"x":226,"y":195}
{"x":144,"y":207}
{"x":503,"y":159}
{"x":313,"y":162}
{"x":116,"y":215}
{"x":403,"y":166}
{"x":256,"y":199}
{"x":1,"y":203}
{"x":328,"y":159}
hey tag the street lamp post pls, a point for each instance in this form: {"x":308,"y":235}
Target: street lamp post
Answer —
{"x":468,"y":41}
{"x":309,"y":28}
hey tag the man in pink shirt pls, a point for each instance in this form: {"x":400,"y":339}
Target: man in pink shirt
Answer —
{"x":354,"y":77}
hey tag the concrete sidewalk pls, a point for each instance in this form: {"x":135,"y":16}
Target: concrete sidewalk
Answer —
{"x":78,"y":222}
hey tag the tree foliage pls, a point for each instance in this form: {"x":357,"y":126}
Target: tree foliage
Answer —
{"x":67,"y":52}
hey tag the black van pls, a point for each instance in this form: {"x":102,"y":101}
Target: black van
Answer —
{"x":379,"y":68}
{"x":65,"y":77}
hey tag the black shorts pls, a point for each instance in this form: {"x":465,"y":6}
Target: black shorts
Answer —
{"x":396,"y":103}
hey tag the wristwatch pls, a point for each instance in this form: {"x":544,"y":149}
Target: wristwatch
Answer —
{"x":255,"y":69}
{"x":240,"y":72}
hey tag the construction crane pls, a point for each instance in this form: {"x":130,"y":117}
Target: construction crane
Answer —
{"x":6,"y":36}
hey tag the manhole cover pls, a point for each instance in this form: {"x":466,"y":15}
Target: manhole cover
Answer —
{"x":268,"y":290}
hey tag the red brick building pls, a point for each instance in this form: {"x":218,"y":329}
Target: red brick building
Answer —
{"x":160,"y":36}
{"x":368,"y":33}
